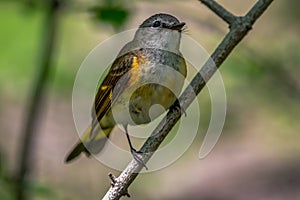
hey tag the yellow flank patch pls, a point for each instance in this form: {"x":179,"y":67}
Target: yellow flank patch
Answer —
{"x":110,"y":95}
{"x":104,"y":87}
{"x":135,"y":62}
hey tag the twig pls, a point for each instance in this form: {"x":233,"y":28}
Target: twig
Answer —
{"x":238,"y":30}
{"x":220,"y":11}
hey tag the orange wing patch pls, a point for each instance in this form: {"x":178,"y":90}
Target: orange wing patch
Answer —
{"x":104,"y":87}
{"x":135,"y":69}
{"x":135,"y":62}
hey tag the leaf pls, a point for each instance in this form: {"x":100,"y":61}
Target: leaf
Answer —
{"x":114,"y":15}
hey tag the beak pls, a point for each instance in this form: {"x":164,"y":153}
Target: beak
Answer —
{"x":178,"y":27}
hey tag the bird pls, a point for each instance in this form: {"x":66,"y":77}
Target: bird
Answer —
{"x":140,"y":77}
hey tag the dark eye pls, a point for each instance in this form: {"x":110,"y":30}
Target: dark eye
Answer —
{"x":156,"y":24}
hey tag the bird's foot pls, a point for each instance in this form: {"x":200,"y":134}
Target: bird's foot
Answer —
{"x":137,"y":155}
{"x":177,"y":106}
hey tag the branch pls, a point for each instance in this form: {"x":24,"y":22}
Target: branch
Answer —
{"x":239,"y":27}
{"x":220,"y":11}
{"x":35,"y":102}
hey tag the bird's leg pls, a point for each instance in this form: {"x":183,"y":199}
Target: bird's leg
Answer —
{"x":136,"y":154}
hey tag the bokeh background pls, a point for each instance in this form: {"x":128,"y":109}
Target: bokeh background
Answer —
{"x":257,"y":156}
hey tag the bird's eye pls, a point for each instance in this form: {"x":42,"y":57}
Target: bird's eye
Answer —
{"x":156,"y":24}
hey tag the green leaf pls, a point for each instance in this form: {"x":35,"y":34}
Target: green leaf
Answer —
{"x":114,"y":15}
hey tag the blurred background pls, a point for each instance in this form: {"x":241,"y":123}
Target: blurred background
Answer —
{"x":42,"y":46}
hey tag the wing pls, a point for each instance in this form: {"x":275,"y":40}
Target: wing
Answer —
{"x":109,"y":89}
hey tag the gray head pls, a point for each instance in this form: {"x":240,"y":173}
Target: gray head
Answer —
{"x":160,"y":31}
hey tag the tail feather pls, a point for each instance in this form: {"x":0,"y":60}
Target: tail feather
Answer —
{"x":90,"y":145}
{"x":76,"y":152}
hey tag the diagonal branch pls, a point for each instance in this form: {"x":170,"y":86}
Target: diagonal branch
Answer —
{"x":239,"y":27}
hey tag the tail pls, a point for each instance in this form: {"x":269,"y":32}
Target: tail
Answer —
{"x":90,"y":145}
{"x":76,"y":152}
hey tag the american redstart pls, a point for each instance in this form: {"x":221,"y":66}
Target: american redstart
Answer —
{"x":148,"y":70}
